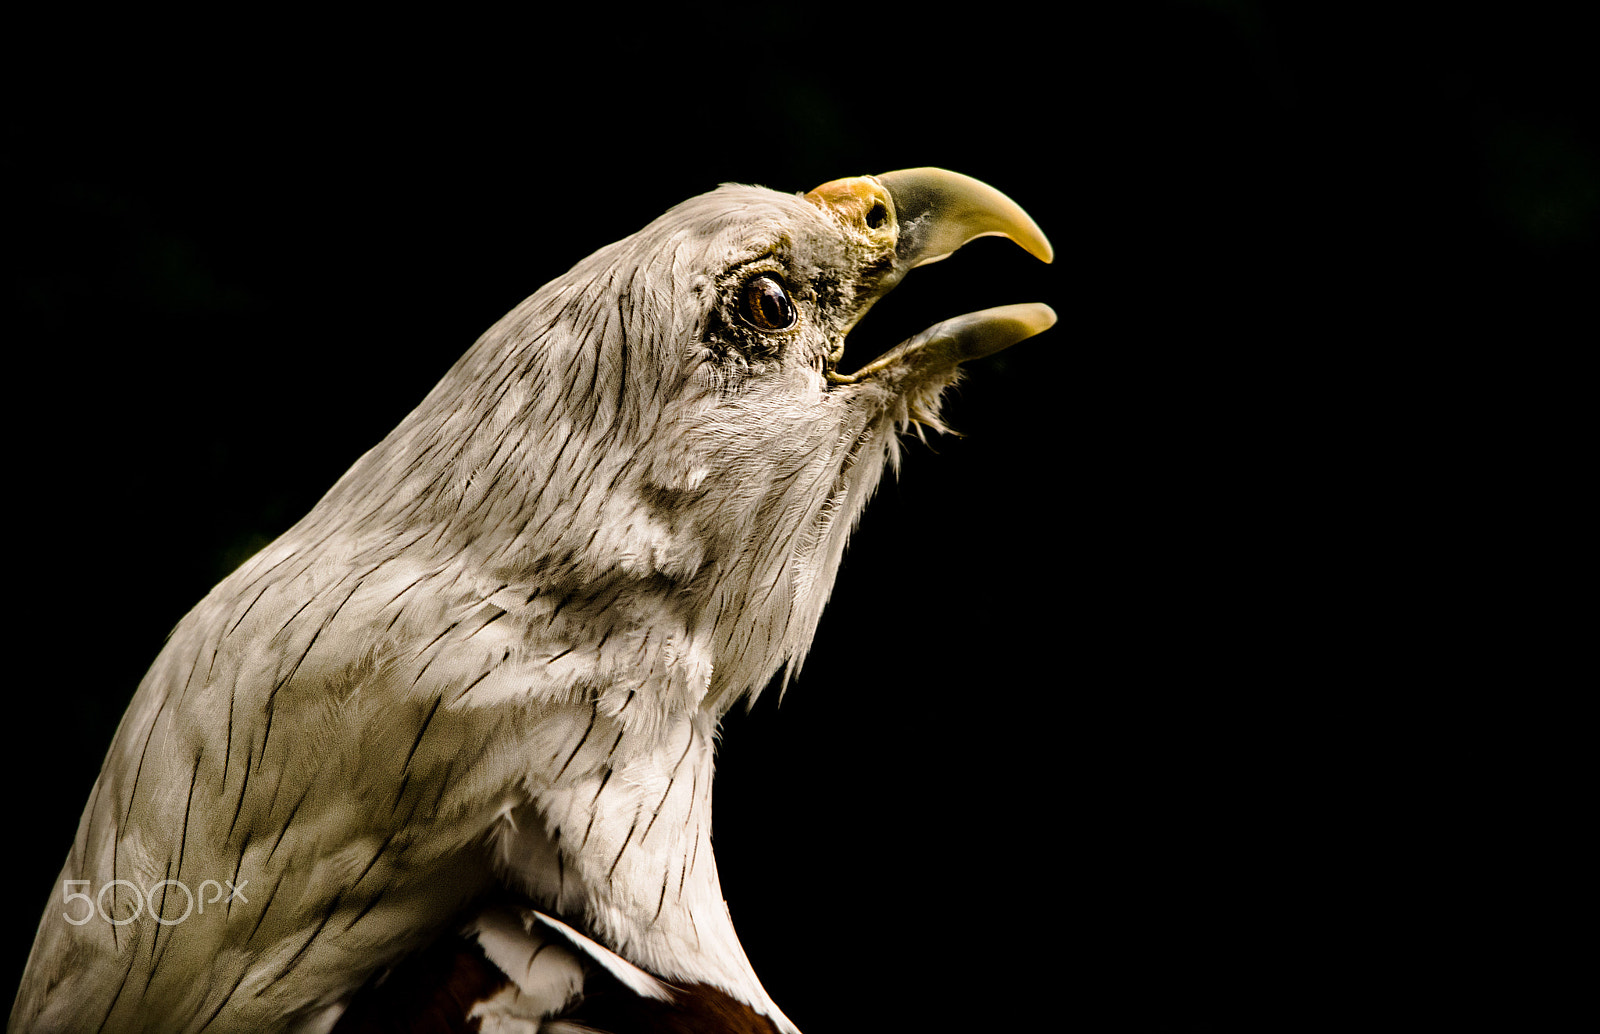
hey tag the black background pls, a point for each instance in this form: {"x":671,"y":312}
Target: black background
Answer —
{"x":1138,"y":704}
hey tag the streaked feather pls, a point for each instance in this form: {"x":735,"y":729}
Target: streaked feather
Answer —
{"x":493,"y":658}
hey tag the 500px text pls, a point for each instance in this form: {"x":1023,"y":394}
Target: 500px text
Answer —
{"x":151,"y":900}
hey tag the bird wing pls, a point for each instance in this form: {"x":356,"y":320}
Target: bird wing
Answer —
{"x":349,"y":753}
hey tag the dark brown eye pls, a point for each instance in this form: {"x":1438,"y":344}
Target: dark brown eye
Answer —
{"x":765,"y":304}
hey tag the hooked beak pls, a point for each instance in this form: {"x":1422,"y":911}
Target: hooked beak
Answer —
{"x":925,"y":215}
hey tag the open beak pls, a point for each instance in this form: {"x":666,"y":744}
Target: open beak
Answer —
{"x":925,"y":215}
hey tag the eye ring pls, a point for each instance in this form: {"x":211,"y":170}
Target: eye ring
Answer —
{"x":764,"y":303}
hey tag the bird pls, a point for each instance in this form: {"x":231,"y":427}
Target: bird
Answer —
{"x":442,"y":752}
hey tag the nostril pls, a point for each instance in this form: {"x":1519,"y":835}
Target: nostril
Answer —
{"x":877,"y":215}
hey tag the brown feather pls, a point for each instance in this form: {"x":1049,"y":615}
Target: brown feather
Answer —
{"x":695,"y":1009}
{"x":431,"y":992}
